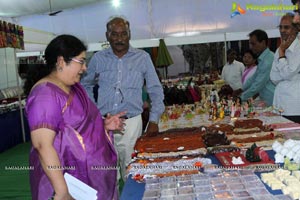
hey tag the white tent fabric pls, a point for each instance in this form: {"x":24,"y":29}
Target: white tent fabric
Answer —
{"x":17,"y":8}
{"x":177,"y":21}
{"x":159,"y":18}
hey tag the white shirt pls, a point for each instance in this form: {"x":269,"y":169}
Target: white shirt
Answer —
{"x":232,"y":74}
{"x":285,"y":74}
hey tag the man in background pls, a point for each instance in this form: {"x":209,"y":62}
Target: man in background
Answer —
{"x":285,"y":71}
{"x":232,"y":71}
{"x":260,"y":81}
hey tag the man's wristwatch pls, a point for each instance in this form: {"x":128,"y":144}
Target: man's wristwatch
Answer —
{"x":281,"y":57}
{"x":153,"y":122}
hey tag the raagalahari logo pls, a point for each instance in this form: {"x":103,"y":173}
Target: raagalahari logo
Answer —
{"x":237,"y":10}
{"x":266,"y":10}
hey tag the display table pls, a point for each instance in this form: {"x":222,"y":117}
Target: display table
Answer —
{"x":11,"y":130}
{"x":184,"y":131}
{"x":135,"y":190}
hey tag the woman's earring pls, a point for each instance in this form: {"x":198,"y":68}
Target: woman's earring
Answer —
{"x":60,"y":69}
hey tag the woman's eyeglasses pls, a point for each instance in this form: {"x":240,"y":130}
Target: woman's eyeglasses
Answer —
{"x":82,"y":62}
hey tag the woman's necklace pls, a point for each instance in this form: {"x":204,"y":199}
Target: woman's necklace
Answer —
{"x":58,"y":83}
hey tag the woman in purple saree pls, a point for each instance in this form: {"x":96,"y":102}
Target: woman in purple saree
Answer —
{"x":68,"y":132}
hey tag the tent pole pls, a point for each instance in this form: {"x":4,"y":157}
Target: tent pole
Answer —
{"x":225,"y":48}
{"x":20,"y":100}
{"x":166,"y":71}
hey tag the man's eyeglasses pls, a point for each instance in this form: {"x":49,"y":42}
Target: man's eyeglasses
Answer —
{"x":285,"y":27}
{"x":118,"y":90}
{"x":82,"y":62}
{"x":123,"y":34}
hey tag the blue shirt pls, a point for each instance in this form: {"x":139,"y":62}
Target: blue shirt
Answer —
{"x":121,"y":81}
{"x":260,"y":81}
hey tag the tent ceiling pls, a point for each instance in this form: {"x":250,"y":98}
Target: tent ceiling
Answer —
{"x":174,"y":20}
{"x":16,"y":8}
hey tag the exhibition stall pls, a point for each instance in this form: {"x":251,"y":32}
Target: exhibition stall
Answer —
{"x":189,"y":157}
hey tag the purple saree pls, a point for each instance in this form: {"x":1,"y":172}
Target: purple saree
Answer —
{"x":84,"y":149}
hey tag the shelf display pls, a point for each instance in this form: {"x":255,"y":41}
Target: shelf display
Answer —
{"x":9,"y":100}
{"x":11,"y":35}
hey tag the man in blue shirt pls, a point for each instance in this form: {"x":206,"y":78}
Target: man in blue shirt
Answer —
{"x":260,"y":82}
{"x":121,"y":71}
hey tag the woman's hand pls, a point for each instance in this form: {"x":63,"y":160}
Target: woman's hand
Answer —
{"x":115,"y":122}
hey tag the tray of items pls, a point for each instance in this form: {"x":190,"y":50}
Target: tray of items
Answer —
{"x":252,"y":158}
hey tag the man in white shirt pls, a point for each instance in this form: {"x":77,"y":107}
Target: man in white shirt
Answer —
{"x":232,"y":71}
{"x":285,"y":71}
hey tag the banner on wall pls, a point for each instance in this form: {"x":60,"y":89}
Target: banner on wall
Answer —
{"x":11,"y":35}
